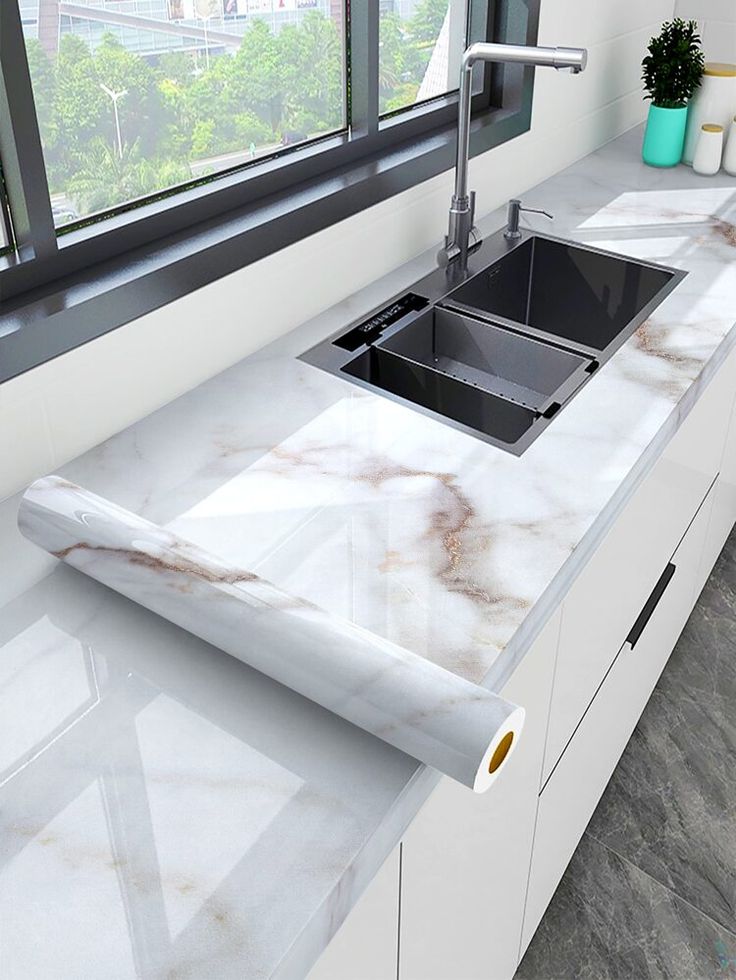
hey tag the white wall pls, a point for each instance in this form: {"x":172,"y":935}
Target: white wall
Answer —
{"x":717,"y":20}
{"x":56,"y":411}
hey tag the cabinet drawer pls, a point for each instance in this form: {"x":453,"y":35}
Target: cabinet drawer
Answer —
{"x":604,"y":602}
{"x":569,"y":798}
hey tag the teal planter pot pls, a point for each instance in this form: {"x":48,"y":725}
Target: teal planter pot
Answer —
{"x":664,"y":139}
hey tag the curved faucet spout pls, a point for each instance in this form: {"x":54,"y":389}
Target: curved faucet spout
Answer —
{"x":462,"y":210}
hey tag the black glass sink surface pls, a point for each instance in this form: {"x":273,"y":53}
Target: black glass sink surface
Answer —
{"x":499,"y":348}
{"x":565,"y":290}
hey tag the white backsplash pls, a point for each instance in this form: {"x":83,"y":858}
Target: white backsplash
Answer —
{"x":717,"y":20}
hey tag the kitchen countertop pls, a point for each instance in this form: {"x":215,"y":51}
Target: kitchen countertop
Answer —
{"x":165,"y":810}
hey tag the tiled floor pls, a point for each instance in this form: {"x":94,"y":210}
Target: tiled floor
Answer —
{"x":651,"y":889}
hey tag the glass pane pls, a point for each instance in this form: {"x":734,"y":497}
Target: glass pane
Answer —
{"x":421,"y":42}
{"x":135,"y":97}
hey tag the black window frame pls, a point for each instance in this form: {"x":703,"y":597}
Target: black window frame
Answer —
{"x":231,"y":218}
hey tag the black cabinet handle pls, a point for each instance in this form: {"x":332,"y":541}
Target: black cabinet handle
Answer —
{"x":650,"y":605}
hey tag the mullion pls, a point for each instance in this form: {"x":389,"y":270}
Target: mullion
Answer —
{"x":24,"y":168}
{"x":363,"y":46}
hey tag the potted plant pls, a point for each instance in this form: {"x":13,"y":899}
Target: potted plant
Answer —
{"x":671,"y":72}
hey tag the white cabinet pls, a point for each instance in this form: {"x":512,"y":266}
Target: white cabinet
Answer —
{"x":570,"y":796}
{"x":604,"y":602}
{"x":365,"y":947}
{"x":465,"y":857}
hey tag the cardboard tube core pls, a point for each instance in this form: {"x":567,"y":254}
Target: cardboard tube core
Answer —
{"x":502,"y":750}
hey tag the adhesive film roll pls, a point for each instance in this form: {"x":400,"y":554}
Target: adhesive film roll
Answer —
{"x":457,"y":727}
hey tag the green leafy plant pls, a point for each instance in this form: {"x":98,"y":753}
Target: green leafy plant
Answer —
{"x":674,"y":66}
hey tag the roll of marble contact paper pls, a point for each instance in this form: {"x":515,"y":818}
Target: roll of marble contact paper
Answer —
{"x":451,"y":724}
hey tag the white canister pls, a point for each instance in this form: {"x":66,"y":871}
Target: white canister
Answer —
{"x":708,"y":150}
{"x":729,"y":154}
{"x":714,"y":101}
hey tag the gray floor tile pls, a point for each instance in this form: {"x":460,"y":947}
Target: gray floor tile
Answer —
{"x":610,"y":921}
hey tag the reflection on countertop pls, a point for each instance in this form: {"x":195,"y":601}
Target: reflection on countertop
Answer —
{"x":149,"y":793}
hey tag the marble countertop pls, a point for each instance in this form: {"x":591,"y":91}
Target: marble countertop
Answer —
{"x":165,"y":810}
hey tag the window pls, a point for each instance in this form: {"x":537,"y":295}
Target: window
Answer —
{"x":181,"y":139}
{"x":136,"y":97}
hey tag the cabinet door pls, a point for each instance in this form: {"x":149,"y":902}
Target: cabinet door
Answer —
{"x":607,"y":596}
{"x":365,"y":947}
{"x":569,"y":798}
{"x":723,"y":515}
{"x":465,"y":858}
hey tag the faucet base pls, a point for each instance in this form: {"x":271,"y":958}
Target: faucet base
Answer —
{"x":462,"y":233}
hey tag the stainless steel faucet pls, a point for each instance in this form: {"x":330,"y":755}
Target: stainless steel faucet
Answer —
{"x":462,"y":233}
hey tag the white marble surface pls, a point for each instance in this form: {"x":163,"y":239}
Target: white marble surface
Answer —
{"x":431,"y":714}
{"x":204,"y":820}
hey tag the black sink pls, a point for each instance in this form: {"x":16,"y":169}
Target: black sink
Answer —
{"x":501,"y":420}
{"x":500,"y":347}
{"x":480,"y":375}
{"x":566,"y":291}
{"x":483,"y":355}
